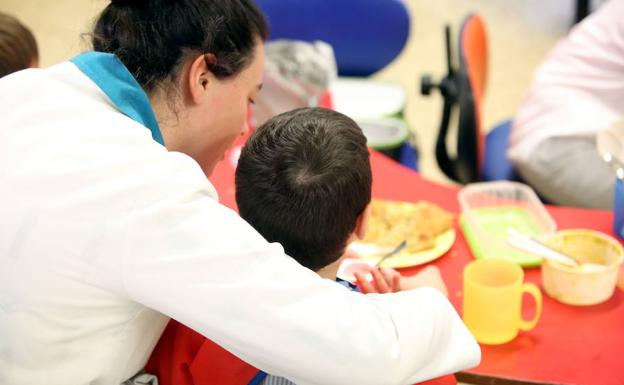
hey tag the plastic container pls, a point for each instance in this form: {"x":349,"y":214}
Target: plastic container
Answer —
{"x":384,"y":133}
{"x":363,"y":99}
{"x":352,"y":265}
{"x":377,"y":107}
{"x":594,"y":280}
{"x":489,"y":209}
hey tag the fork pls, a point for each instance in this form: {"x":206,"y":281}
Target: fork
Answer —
{"x":400,"y":247}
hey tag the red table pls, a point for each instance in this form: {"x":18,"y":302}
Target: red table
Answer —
{"x":570,"y":345}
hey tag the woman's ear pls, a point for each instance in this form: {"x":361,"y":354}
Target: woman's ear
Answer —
{"x":362,"y":222}
{"x":200,"y":78}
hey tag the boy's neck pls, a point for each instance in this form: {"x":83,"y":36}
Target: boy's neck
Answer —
{"x":330,"y":271}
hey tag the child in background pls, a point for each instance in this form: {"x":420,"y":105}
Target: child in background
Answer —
{"x":303,"y":180}
{"x":18,"y":48}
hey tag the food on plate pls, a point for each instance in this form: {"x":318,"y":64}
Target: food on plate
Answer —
{"x":418,"y":223}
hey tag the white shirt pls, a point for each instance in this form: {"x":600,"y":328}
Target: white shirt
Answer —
{"x":579,"y":89}
{"x":104,"y":231}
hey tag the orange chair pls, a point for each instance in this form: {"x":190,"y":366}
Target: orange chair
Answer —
{"x":463,"y":88}
{"x":473,"y":57}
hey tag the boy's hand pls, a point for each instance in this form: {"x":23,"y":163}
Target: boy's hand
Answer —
{"x":385,"y":280}
{"x":428,"y":277}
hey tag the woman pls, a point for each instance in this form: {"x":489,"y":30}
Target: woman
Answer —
{"x":111,"y":226}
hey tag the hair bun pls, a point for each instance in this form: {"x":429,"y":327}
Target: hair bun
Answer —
{"x":128,"y":2}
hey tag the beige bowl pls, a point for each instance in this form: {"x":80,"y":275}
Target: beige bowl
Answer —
{"x":594,"y":280}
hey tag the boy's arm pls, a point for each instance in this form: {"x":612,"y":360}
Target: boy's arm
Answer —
{"x":387,"y":280}
{"x":383,"y":280}
{"x":198,"y":262}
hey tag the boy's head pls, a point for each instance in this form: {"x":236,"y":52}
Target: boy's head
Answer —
{"x":304,"y":180}
{"x":18,"y":48}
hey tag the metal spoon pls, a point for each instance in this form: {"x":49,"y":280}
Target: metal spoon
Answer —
{"x":400,"y":247}
{"x":534,"y":246}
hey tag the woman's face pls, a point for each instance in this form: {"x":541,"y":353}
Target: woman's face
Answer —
{"x":222,"y":114}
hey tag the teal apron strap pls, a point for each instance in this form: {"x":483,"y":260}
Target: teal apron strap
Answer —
{"x":114,"y":79}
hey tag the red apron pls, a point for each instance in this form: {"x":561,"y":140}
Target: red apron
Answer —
{"x":185,"y":357}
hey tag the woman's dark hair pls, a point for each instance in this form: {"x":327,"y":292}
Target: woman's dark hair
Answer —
{"x":303,"y":179}
{"x":18,"y":48}
{"x":152,"y":38}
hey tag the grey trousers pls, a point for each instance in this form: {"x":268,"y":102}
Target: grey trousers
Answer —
{"x":569,"y":171}
{"x":142,"y":379}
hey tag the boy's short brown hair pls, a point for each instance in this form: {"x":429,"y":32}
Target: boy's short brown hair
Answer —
{"x":303,"y":179}
{"x":18,"y":48}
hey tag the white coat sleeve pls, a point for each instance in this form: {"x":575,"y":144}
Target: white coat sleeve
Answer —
{"x":578,"y":89}
{"x":198,"y":262}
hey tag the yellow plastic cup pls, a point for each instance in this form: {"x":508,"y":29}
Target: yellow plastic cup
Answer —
{"x":493,"y":290}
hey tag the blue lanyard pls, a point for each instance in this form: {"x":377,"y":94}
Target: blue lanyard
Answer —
{"x":114,"y":79}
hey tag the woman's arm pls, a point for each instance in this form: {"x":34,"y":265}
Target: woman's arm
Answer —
{"x":198,"y":262}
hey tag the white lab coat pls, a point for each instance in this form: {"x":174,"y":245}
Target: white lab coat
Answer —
{"x":105,"y":234}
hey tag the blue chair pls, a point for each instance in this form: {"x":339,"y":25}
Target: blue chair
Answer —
{"x":366,"y":34}
{"x":497,"y":165}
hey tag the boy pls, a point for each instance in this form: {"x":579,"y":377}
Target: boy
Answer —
{"x":303,"y":180}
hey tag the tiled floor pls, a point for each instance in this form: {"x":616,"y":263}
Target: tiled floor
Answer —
{"x":521,"y":33}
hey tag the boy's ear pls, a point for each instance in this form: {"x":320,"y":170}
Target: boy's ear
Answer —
{"x":362,"y":222}
{"x":200,"y":77}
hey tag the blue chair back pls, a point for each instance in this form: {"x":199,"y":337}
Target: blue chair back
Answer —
{"x":366,"y":35}
{"x":497,"y":165}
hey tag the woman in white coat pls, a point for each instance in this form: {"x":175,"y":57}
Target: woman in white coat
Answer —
{"x":109,"y":225}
